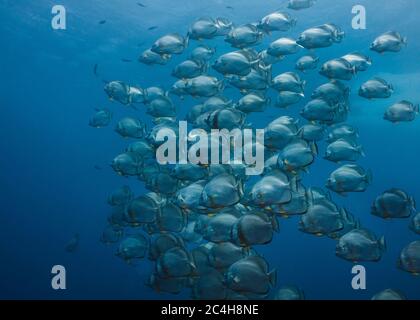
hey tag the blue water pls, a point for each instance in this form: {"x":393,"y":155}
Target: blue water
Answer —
{"x":50,"y":189}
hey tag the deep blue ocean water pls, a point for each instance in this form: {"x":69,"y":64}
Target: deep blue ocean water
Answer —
{"x":50,"y":189}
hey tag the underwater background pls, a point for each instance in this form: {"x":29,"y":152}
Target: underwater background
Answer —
{"x":50,"y":188}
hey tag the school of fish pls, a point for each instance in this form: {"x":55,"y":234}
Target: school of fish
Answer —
{"x":199,"y":224}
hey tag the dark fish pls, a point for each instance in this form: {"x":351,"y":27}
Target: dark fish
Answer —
{"x":152,"y":28}
{"x":229,"y":7}
{"x":102,"y":22}
{"x":97,"y":167}
{"x":126,"y":60}
{"x":141,"y":5}
{"x":95,"y":69}
{"x":73,"y":244}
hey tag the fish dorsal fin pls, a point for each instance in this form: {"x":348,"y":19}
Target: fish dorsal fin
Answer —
{"x":381,"y":81}
{"x":393,"y":34}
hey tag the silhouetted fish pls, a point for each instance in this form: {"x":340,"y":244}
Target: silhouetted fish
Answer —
{"x":141,"y":5}
{"x":126,"y":60}
{"x":102,"y":22}
{"x":152,"y":28}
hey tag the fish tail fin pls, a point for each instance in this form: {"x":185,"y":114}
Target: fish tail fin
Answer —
{"x":293,"y":22}
{"x":344,"y":214}
{"x":382,"y":243}
{"x":234,"y":233}
{"x":413,"y":203}
{"x":294,"y":184}
{"x":361,"y":151}
{"x":405,"y":41}
{"x":275,"y":223}
{"x":368,"y":177}
{"x":314,"y":148}
{"x":416,"y":108}
{"x":300,"y":133}
{"x":272,"y":276}
{"x":354,"y":70}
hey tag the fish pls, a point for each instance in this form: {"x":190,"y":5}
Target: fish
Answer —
{"x":322,"y":219}
{"x":253,"y":102}
{"x":222,"y":255}
{"x":120,"y":196}
{"x":133,"y":248}
{"x":243,"y":36}
{"x":415,"y":223}
{"x":308,"y":62}
{"x":202,"y":53}
{"x":169,"y":44}
{"x":219,"y":228}
{"x":73,"y":244}
{"x":287,"y":98}
{"x":389,"y":294}
{"x":251,"y":275}
{"x":297,"y":155}
{"x":162,"y":106}
{"x":204,"y":28}
{"x":333,"y":92}
{"x":283,"y":46}
{"x":235,"y":63}
{"x":141,"y":5}
{"x":254,"y":228}
{"x":189,"y":69}
{"x":343,"y":150}
{"x":95,"y":69}
{"x":312,"y":132}
{"x":168,"y":285}
{"x":127,"y":164}
{"x":162,"y":242}
{"x":102,"y":22}
{"x":175,"y":263}
{"x":129,"y":127}
{"x":111,"y":234}
{"x":323,"y":112}
{"x":151,"y":58}
{"x":342,"y":131}
{"x":152,"y":28}
{"x":409,"y":259}
{"x":358,"y":60}
{"x":360,"y":245}
{"x":101,"y":118}
{"x":273,"y":188}
{"x":391,"y":41}
{"x":221,"y":191}
{"x":376,"y":88}
{"x":289,"y":293}
{"x":280,"y":132}
{"x":277,"y":21}
{"x":338,"y":69}
{"x":393,"y":203}
{"x":288,"y":81}
{"x":143,"y":209}
{"x":349,"y":178}
{"x":403,"y":111}
{"x":300,"y":4}
{"x":210,"y":286}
